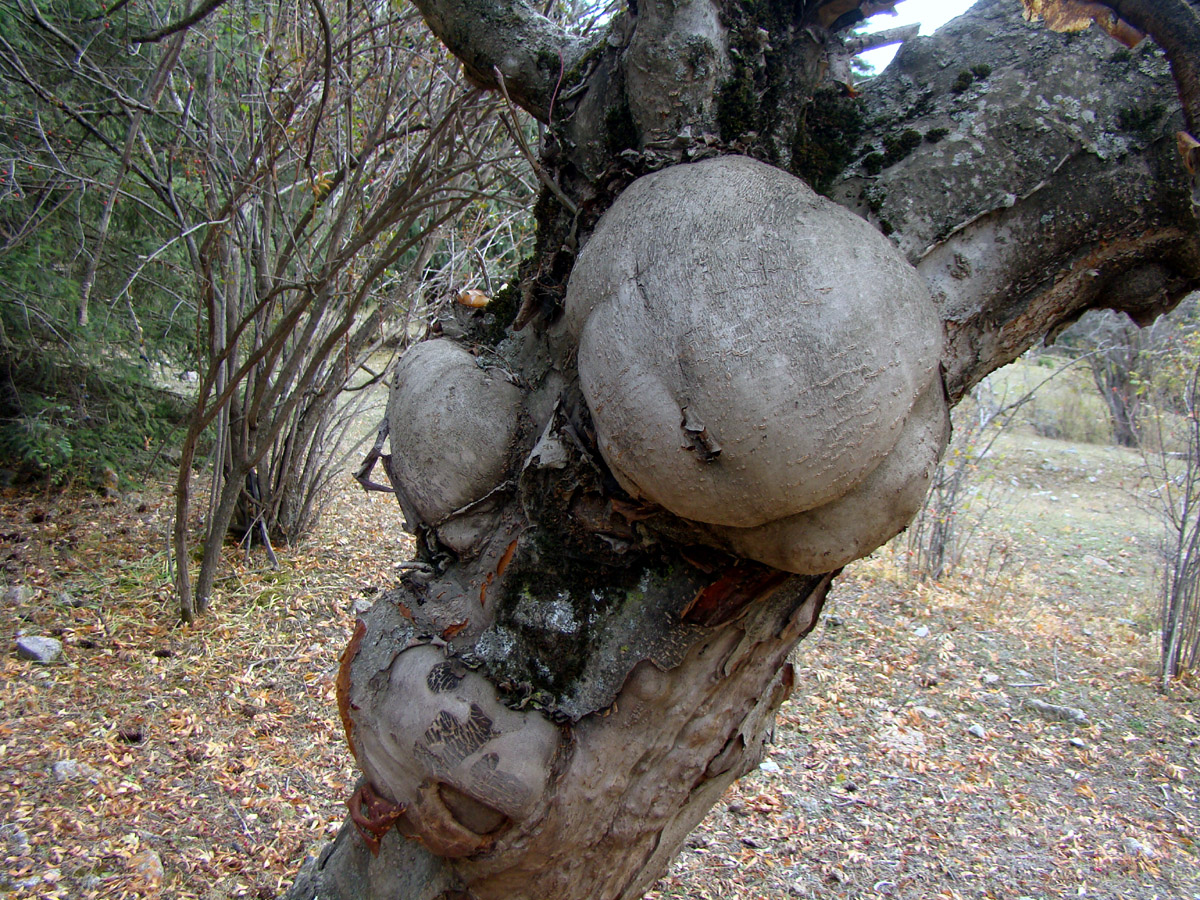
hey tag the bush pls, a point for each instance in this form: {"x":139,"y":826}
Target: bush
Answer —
{"x":69,"y":421}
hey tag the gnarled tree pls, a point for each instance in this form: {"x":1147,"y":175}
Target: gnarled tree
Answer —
{"x":719,"y":386}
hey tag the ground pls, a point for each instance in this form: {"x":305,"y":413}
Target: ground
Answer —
{"x":907,"y":763}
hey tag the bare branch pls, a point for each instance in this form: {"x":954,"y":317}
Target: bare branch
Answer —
{"x":202,"y":12}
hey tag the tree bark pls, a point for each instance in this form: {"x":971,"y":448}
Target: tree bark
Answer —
{"x":576,"y":666}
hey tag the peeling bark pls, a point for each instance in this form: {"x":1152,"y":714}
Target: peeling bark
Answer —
{"x":583,"y":659}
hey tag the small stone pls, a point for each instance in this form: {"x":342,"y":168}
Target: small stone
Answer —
{"x":1134,"y":847}
{"x":977,"y":731}
{"x":361,"y":606}
{"x":70,"y":769}
{"x":18,"y":595}
{"x":1054,"y":711}
{"x":1096,"y":562}
{"x":148,"y":866}
{"x":14,"y":838}
{"x":1078,"y":743}
{"x":770,"y":767}
{"x":921,"y":631}
{"x":989,"y":677}
{"x":42,"y":650}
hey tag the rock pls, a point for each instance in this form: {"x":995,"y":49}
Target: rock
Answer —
{"x":70,"y":769}
{"x":42,"y":650}
{"x":977,"y":731}
{"x":14,"y":839}
{"x":361,"y":606}
{"x":903,"y":740}
{"x":17,"y":595}
{"x":989,"y":677}
{"x":1078,"y":743}
{"x":148,"y":866}
{"x":921,"y":631}
{"x":1096,"y":562}
{"x":1134,"y":847}
{"x":1053,"y":711}
{"x":810,"y":805}
{"x":770,"y":767}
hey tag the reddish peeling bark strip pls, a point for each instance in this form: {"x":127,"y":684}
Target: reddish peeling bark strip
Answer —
{"x":492,"y":576}
{"x":379,"y":816}
{"x":342,"y":685}
{"x":450,"y":631}
{"x":736,"y":588}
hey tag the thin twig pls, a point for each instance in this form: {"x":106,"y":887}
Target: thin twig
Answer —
{"x":519,"y":138}
{"x":270,"y":660}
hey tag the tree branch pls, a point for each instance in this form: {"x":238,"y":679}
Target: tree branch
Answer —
{"x":202,"y":12}
{"x":528,"y":49}
{"x":1173,"y":24}
{"x":1024,"y":221}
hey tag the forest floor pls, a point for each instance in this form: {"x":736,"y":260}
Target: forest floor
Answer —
{"x":911,"y":760}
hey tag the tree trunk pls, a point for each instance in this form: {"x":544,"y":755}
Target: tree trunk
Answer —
{"x":626,"y":786}
{"x":718,"y":389}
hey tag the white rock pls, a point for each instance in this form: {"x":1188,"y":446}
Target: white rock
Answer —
{"x":43,"y":650}
{"x":1134,"y":847}
{"x":70,"y":769}
{"x":17,"y":595}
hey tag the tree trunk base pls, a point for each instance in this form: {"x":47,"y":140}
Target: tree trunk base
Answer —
{"x":625,"y":787}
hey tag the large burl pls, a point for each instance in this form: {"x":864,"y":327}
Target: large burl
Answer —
{"x":744,"y":384}
{"x":759,"y":360}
